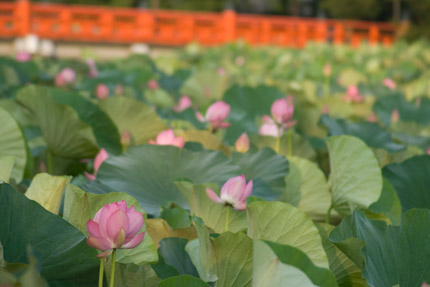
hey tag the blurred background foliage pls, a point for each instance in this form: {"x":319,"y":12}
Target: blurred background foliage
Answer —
{"x":416,"y":12}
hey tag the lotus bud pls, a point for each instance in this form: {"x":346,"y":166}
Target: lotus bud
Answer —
{"x":353,"y":95}
{"x":216,"y":114}
{"x":100,"y":158}
{"x":389,"y":83}
{"x":327,"y":70}
{"x":269,"y":128}
{"x":183,"y":104}
{"x":282,"y":110}
{"x":115,"y":227}
{"x":167,"y":137}
{"x":102,"y":91}
{"x":23,"y":56}
{"x":65,"y":77}
{"x":395,"y":116}
{"x":126,"y":138}
{"x":93,"y":72}
{"x":372,"y":118}
{"x":242,"y":143}
{"x":221,"y":71}
{"x":234,"y":193}
{"x":153,"y":85}
{"x":325,"y":110}
{"x":119,"y":90}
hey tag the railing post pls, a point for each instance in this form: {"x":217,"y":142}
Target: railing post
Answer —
{"x":302,"y":34}
{"x":146,"y":24}
{"x":374,"y":35}
{"x":321,"y":32}
{"x":22,"y":17}
{"x":266,"y":31}
{"x":338,"y":34}
{"x":106,"y":23}
{"x":229,"y":25}
{"x":187,"y":28}
{"x":65,"y":24}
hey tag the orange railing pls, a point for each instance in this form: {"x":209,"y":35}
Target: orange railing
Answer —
{"x":173,"y":28}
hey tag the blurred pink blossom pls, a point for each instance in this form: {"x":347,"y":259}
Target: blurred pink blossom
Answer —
{"x":353,"y":95}
{"x":102,"y":91}
{"x":99,"y":159}
{"x":389,"y":83}
{"x":167,"y":137}
{"x":242,"y":143}
{"x":153,"y":85}
{"x":183,"y":104}
{"x":65,"y":77}
{"x":23,"y":56}
{"x":216,"y":115}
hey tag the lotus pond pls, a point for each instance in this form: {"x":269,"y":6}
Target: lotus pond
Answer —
{"x":228,"y":166}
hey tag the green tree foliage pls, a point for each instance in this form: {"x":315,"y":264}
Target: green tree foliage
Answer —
{"x":353,"y":9}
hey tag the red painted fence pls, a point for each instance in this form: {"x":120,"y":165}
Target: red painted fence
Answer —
{"x":174,"y":28}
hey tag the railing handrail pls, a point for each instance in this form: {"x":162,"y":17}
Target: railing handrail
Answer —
{"x":166,"y":27}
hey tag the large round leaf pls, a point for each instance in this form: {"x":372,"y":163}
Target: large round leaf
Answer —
{"x":266,"y":168}
{"x":411,"y":181}
{"x":355,"y":177}
{"x":315,"y":195}
{"x":392,"y":254}
{"x":140,"y":120}
{"x":65,"y":134}
{"x":12,"y":143}
{"x":147,"y":173}
{"x":371,"y":133}
{"x":284,"y":224}
{"x":277,"y":265}
{"x":65,"y":258}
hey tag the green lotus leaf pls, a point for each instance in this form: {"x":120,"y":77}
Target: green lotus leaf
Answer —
{"x":355,"y":178}
{"x":183,"y":280}
{"x":283,"y":265}
{"x":47,"y":190}
{"x":140,"y":120}
{"x":284,"y":224}
{"x":12,"y":144}
{"x":392,"y":254}
{"x":147,"y":173}
{"x":410,"y":180}
{"x":65,"y":134}
{"x":65,"y":258}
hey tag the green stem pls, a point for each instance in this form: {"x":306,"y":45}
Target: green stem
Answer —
{"x":327,"y":218}
{"x":327,"y":86}
{"x":50,"y":168}
{"x":112,"y":270}
{"x":102,"y":268}
{"x":278,"y":139}
{"x":226,"y":218}
{"x":290,"y":142}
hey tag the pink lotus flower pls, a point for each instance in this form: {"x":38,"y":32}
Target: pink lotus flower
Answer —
{"x":126,"y":138}
{"x":115,"y":227}
{"x":102,"y":91}
{"x":119,"y":90}
{"x":153,"y":85}
{"x":269,"y":128}
{"x":242,"y":143}
{"x":389,"y":83}
{"x":327,"y":70}
{"x":93,"y":72}
{"x":23,"y":56}
{"x":167,"y":137}
{"x":425,"y":284}
{"x":325,"y":110}
{"x":428,"y":150}
{"x":418,"y":102}
{"x":282,"y":110}
{"x":221,"y":71}
{"x":239,"y":61}
{"x":234,"y":193}
{"x":395,"y":116}
{"x":65,"y":77}
{"x":216,"y":114}
{"x":353,"y":95}
{"x":100,"y":158}
{"x":372,"y":118}
{"x":200,"y":117}
{"x":183,"y":104}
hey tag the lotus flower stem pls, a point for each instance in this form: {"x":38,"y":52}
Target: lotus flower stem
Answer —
{"x":102,"y":268}
{"x":50,"y":169}
{"x":278,"y":139}
{"x":227,"y":218}
{"x":327,"y":218}
{"x":112,"y":271}
{"x":290,"y":143}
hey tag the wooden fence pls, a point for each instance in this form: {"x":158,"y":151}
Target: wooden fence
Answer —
{"x":175,"y":28}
